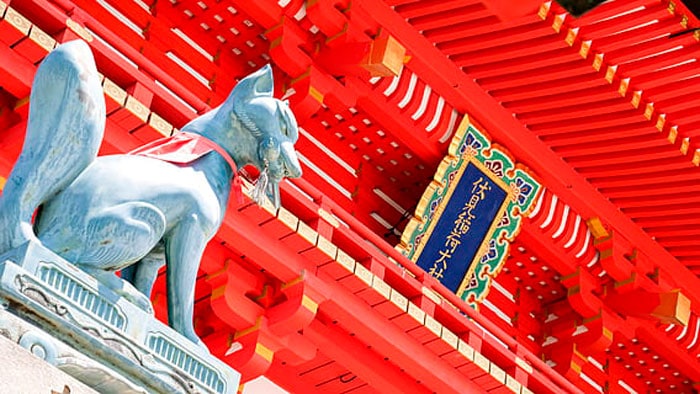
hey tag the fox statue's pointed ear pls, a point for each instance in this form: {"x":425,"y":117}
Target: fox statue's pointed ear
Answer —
{"x":254,"y":85}
{"x":263,"y":81}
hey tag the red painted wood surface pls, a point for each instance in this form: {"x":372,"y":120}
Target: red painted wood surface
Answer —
{"x":602,"y":108}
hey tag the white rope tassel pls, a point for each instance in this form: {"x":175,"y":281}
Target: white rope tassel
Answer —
{"x":260,"y":188}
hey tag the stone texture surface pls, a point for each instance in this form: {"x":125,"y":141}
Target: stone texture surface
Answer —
{"x":99,"y":338}
{"x":23,"y":372}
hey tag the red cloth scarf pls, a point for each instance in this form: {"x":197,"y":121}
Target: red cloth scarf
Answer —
{"x":184,"y":148}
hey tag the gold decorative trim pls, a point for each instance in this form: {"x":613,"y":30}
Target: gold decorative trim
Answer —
{"x":18,"y":21}
{"x":585,"y":48}
{"x":598,"y":61}
{"x":113,"y":91}
{"x":544,"y":10}
{"x":415,"y":312}
{"x":327,"y":247}
{"x":524,"y":365}
{"x":42,"y":39}
{"x":316,"y":94}
{"x":399,"y":300}
{"x":449,"y":337}
{"x":162,"y":126}
{"x":288,"y":218}
{"x":433,"y":325}
{"x":661,"y":122}
{"x":636,"y":98}
{"x":672,"y":134}
{"x":431,"y":294}
{"x":597,"y":229}
{"x":264,"y":352}
{"x":624,"y":85}
{"x":381,"y":287}
{"x":558,"y":22}
{"x":137,"y":108}
{"x":649,"y":110}
{"x":571,"y":36}
{"x":481,"y":361}
{"x":251,"y":329}
{"x":497,"y":373}
{"x":306,"y":232}
{"x":610,"y":73}
{"x":466,"y":350}
{"x":309,"y":304}
{"x":328,"y":218}
{"x":364,"y":274}
{"x":345,"y":260}
{"x":513,"y":384}
{"x":78,"y":29}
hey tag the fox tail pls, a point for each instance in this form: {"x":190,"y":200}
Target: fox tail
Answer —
{"x":64,"y":132}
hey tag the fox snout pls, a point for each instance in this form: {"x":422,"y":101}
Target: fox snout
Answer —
{"x":280,"y":159}
{"x":290,"y":160}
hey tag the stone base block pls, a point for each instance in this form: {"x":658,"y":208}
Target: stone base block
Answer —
{"x":69,"y":319}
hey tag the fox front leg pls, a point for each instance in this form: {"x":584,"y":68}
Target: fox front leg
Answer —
{"x":184,"y":246}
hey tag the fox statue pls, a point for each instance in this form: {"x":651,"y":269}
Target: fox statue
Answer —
{"x":120,"y":212}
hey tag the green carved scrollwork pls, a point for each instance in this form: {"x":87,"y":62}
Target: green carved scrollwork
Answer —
{"x":471,"y":145}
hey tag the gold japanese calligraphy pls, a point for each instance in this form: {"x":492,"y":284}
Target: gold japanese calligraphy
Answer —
{"x":461,"y":226}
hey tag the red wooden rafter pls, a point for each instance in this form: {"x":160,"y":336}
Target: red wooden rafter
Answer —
{"x":550,"y":72}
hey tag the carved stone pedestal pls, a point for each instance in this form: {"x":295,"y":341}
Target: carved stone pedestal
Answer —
{"x":23,"y":372}
{"x":73,"y":322}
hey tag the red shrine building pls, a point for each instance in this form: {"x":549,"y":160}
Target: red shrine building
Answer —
{"x":587,"y":125}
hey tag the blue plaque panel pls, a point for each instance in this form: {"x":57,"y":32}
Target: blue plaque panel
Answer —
{"x":474,"y":206}
{"x":469,"y":214}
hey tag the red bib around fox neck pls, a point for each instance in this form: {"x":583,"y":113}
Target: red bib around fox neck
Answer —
{"x":183,"y":148}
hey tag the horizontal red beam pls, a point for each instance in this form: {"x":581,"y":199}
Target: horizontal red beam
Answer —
{"x":546,"y":374}
{"x":456,"y":86}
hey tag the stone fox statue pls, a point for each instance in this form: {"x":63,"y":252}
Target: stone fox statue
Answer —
{"x":107,"y":213}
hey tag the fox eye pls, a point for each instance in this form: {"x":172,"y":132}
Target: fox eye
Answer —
{"x":284,"y":127}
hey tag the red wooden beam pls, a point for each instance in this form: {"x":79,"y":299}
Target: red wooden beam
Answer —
{"x":541,"y":375}
{"x":287,"y":265}
{"x":458,"y":88}
{"x":369,"y":365}
{"x":393,"y":343}
{"x":461,"y":43}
